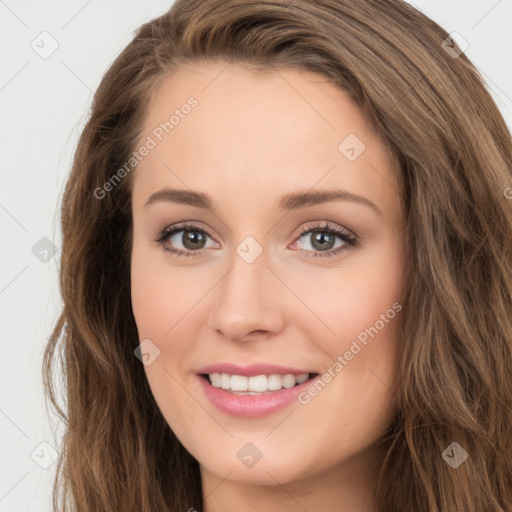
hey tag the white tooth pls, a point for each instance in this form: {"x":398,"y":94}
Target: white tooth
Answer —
{"x":303,"y":377}
{"x":289,"y":381}
{"x":258,"y":383}
{"x":216,"y":379}
{"x":275,"y":382}
{"x":239,"y":383}
{"x":225,"y":382}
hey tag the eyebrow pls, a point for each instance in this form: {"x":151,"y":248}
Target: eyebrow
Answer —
{"x":288,"y":202}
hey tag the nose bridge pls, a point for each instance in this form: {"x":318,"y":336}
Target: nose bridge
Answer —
{"x":246,"y":298}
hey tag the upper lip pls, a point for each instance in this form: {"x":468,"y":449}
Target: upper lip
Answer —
{"x":251,"y":370}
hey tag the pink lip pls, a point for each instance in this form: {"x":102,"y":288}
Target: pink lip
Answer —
{"x":252,"y":406}
{"x":251,"y":370}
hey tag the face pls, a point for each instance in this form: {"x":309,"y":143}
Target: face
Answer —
{"x":271,"y":276}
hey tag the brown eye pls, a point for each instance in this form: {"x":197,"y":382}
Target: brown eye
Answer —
{"x":184,"y":240}
{"x":192,"y":240}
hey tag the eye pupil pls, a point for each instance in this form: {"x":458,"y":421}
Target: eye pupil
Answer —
{"x":319,"y":237}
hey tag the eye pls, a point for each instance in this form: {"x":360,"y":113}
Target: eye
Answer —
{"x":192,"y":238}
{"x":322,"y":240}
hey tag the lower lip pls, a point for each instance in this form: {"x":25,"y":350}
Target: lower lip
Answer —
{"x":252,"y":406}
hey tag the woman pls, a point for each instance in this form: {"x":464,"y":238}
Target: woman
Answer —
{"x":219,"y":353}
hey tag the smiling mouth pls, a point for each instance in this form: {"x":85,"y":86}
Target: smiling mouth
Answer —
{"x":256,"y":385}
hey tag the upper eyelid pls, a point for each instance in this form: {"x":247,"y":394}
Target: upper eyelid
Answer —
{"x":186,"y":226}
{"x":189,"y":225}
{"x":326,"y":226}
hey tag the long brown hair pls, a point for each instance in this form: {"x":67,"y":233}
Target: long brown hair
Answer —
{"x":455,"y":156}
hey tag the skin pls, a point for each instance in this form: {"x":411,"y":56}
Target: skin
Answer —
{"x":252,"y":138}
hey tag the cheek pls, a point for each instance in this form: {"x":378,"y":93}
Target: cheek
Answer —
{"x":160,"y":305}
{"x":344,"y":303}
{"x":165,"y":304}
{"x":161,"y":296}
{"x":358,"y":310}
{"x":365,"y":301}
{"x":355,"y":300}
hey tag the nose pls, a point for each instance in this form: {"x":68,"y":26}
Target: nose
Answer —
{"x":248,"y":301}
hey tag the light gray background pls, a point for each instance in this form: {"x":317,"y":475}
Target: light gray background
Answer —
{"x":43,"y":106}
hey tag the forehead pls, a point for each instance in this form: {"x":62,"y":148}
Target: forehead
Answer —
{"x":272,"y":131}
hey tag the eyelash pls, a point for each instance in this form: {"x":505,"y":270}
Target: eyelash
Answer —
{"x":347,"y":237}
